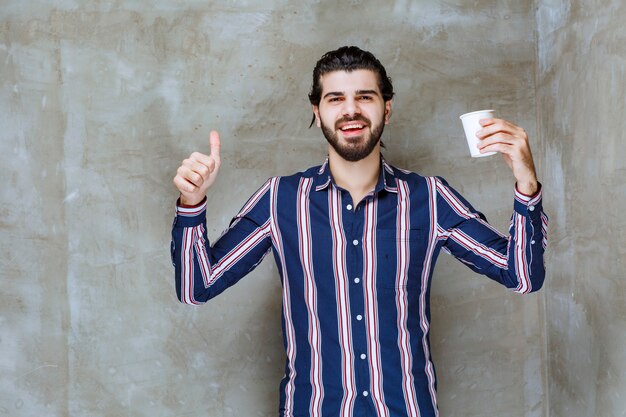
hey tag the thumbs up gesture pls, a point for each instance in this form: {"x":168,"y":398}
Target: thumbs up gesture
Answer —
{"x":198,"y":172}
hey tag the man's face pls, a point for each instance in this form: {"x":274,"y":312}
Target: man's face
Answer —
{"x":352,"y":112}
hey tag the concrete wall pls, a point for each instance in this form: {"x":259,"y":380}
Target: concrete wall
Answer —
{"x":582,"y":85}
{"x":99,"y":102}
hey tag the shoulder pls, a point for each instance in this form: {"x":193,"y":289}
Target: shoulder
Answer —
{"x":414,"y":180}
{"x":295,"y":178}
{"x":405,"y":175}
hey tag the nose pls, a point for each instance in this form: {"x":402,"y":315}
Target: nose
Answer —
{"x":350,"y":107}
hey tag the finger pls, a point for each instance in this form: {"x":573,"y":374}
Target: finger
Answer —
{"x":214,"y":142}
{"x":499,"y":147}
{"x":204,"y":168}
{"x":487,"y":121}
{"x":494,"y":120}
{"x":497,"y":126}
{"x":183,"y":185}
{"x":200,"y":157}
{"x":489,"y":128}
{"x":192,"y":176}
{"x":513,"y":149}
{"x":497,"y":138}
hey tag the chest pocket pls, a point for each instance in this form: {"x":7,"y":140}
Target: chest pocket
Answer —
{"x":401,"y":257}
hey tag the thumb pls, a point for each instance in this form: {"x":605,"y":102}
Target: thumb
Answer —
{"x":214,"y":141}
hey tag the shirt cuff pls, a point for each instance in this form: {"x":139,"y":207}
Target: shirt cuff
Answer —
{"x":529,"y":205}
{"x":190,"y":216}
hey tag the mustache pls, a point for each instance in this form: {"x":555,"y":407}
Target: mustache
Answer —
{"x":357,"y":118}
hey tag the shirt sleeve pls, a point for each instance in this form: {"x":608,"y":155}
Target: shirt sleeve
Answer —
{"x":203,"y":270}
{"x":515,"y":260}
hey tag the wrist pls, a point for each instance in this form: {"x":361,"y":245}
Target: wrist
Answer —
{"x":528,"y":188}
{"x":189,"y":203}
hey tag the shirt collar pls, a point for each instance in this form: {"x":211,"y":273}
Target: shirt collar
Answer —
{"x":386,"y":180}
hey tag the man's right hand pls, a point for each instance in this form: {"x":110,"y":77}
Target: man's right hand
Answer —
{"x":198,"y":172}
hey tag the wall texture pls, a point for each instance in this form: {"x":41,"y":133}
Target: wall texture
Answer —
{"x":99,"y":103}
{"x":581,"y":89}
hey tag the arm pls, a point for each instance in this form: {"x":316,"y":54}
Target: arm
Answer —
{"x":516,"y":260}
{"x":202,"y":270}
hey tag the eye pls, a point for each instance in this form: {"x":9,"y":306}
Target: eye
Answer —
{"x":334,"y":99}
{"x":365,"y":98}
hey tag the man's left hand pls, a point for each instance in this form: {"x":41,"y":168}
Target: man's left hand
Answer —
{"x":498,"y":135}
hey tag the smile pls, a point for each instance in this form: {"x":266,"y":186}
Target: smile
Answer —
{"x":352,"y":126}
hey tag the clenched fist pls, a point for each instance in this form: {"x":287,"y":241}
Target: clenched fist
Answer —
{"x":198,"y":172}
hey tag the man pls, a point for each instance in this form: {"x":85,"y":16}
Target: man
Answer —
{"x":356,"y":241}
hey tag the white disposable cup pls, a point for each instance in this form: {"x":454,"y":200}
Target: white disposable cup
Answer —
{"x":471,"y":126}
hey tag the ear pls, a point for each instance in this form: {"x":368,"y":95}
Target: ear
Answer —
{"x":388,"y":105}
{"x":316,"y":112}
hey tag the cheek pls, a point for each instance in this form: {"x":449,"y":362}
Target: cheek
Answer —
{"x":327,"y":118}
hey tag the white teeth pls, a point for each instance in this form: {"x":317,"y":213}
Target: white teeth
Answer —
{"x":352,"y":127}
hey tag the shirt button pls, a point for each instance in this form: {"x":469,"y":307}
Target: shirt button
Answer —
{"x":359,"y":317}
{"x":355,"y":242}
{"x":357,"y":280}
{"x":532,"y":242}
{"x":365,"y":393}
{"x":349,"y":206}
{"x":531,"y":208}
{"x":363,"y":356}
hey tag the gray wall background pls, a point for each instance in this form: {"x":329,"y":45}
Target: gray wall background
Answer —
{"x":100,"y":101}
{"x":581,"y":101}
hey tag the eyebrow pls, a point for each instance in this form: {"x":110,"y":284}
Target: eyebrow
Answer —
{"x":358,"y":93}
{"x":333,"y":94}
{"x":364,"y":92}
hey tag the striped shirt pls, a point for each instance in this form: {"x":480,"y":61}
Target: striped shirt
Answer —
{"x":356,"y":279}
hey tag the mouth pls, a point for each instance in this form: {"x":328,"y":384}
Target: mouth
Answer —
{"x":352,"y":128}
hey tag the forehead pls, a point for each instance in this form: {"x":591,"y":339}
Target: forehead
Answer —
{"x":349,"y":81}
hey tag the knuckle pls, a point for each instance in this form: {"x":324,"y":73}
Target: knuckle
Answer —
{"x":179,"y":183}
{"x":203,"y":171}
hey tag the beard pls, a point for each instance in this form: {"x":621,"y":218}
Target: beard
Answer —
{"x":358,"y":147}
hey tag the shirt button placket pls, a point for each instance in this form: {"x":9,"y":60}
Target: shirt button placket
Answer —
{"x":353,"y":221}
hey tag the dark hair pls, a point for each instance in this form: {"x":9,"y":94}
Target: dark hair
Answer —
{"x":348,"y":58}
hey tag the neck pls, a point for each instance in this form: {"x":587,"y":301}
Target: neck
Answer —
{"x":358,"y":178}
